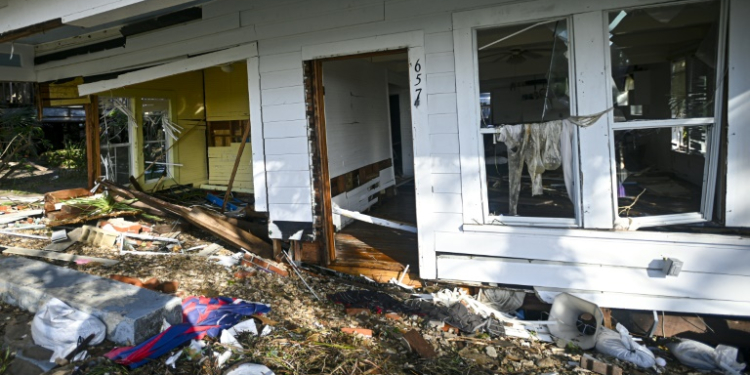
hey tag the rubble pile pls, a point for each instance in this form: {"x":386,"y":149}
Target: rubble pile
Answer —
{"x":245,"y":314}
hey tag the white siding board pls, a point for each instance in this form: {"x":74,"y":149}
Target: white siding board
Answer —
{"x":440,"y":62}
{"x":281,"y":78}
{"x":572,"y":247}
{"x":217,"y":8}
{"x":287,"y":112}
{"x":446,"y":183}
{"x":738,"y":153}
{"x":445,"y":163}
{"x":335,"y":20}
{"x":289,"y":195}
{"x":446,"y":203}
{"x":444,"y":123}
{"x":290,"y":212}
{"x":303,"y":10}
{"x":290,"y":162}
{"x":590,"y":277}
{"x":441,"y":83}
{"x":444,"y":143}
{"x":289,"y":179}
{"x":287,"y":146}
{"x":286,"y":129}
{"x":283,"y":61}
{"x":438,"y":42}
{"x":284,"y":95}
{"x":441,"y":103}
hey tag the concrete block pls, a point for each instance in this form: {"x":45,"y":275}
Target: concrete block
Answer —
{"x":131,"y":314}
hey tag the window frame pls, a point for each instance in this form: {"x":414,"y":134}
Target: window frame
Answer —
{"x":710,"y":174}
{"x":530,"y":221}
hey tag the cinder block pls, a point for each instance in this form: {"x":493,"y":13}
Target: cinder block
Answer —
{"x":131,"y":314}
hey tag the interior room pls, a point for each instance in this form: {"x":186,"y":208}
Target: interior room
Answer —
{"x":371,"y":162}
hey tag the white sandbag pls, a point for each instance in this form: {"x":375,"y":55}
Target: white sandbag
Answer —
{"x":703,"y":357}
{"x":621,"y":345}
{"x":57,"y":327}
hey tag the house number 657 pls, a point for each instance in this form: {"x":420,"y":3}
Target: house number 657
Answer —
{"x":418,"y":69}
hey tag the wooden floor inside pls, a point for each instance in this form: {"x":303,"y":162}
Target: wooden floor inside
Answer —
{"x":378,"y":252}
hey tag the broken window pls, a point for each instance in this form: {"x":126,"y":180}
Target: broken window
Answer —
{"x":155,"y":114}
{"x":115,"y":139}
{"x":524,"y":96}
{"x":664,"y":86}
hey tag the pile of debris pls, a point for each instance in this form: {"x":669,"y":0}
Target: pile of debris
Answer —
{"x":242,"y":313}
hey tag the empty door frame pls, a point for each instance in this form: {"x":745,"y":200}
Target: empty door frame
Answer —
{"x":313,"y":56}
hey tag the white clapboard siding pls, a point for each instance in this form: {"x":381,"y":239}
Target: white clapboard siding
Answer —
{"x":299,"y":212}
{"x":444,"y":123}
{"x":289,"y":195}
{"x":596,"y":248}
{"x":288,"y":162}
{"x":357,"y":122}
{"x":441,"y":103}
{"x":288,"y":179}
{"x":281,"y":78}
{"x":441,"y":83}
{"x":440,"y":63}
{"x":438,"y":42}
{"x":284,"y":95}
{"x":446,"y":183}
{"x":593,"y":277}
{"x":286,"y":129}
{"x":287,"y":146}
{"x":335,"y":20}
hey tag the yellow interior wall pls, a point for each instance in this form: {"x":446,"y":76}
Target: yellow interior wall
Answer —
{"x":188,"y":108}
{"x":227,"y":99}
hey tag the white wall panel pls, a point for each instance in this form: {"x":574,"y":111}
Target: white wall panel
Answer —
{"x":444,"y":143}
{"x":446,"y":203}
{"x":289,"y":179}
{"x":357,"y":118}
{"x":287,"y":112}
{"x":445,"y":163}
{"x":283,"y":61}
{"x":441,"y":83}
{"x":292,"y":195}
{"x":290,"y":212}
{"x":440,"y":62}
{"x":281,"y":78}
{"x":444,"y":123}
{"x":286,"y":129}
{"x":438,"y":42}
{"x":287,"y":146}
{"x":738,"y":152}
{"x":446,"y":183}
{"x":441,"y":103}
{"x":284,"y":95}
{"x":289,"y":162}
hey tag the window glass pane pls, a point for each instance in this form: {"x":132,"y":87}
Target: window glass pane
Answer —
{"x":155,"y":114}
{"x":664,"y":61}
{"x":524,"y":87}
{"x":114,"y":135}
{"x":660,"y":171}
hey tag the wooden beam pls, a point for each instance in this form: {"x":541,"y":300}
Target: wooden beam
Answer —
{"x":325,"y":178}
{"x":92,"y":141}
{"x":245,"y":135}
{"x":214,"y":224}
{"x":30,"y":30}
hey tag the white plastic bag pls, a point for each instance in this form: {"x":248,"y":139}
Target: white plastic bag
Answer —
{"x":57,"y":327}
{"x":620,"y":345}
{"x":703,"y":357}
{"x":250,"y":369}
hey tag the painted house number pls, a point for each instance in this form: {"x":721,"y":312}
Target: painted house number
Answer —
{"x":418,"y":89}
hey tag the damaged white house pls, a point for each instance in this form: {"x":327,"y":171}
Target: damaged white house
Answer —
{"x":594,"y":147}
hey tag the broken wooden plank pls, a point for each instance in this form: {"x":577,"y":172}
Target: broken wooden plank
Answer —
{"x":213,"y":224}
{"x":419,"y":345}
{"x":374,"y":220}
{"x":245,"y":135}
{"x":599,"y":367}
{"x":56,"y":256}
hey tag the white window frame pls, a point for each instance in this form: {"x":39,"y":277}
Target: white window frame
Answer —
{"x":529,"y":220}
{"x":590,"y":59}
{"x":708,"y":194}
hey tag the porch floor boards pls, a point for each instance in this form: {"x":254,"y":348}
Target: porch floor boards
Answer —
{"x":378,"y":252}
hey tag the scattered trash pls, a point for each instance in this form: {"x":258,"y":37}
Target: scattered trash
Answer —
{"x":249,"y":369}
{"x":57,"y":327}
{"x":357,"y":331}
{"x":620,"y":344}
{"x":418,"y":344}
{"x":703,"y":357}
{"x":578,"y":321}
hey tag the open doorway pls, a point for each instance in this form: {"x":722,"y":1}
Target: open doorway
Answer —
{"x":364,"y":128}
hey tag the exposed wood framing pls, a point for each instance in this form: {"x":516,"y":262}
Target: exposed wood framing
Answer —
{"x":245,"y":135}
{"x":349,"y":181}
{"x":30,"y":30}
{"x":319,"y":148}
{"x":92,"y":141}
{"x":374,"y":220}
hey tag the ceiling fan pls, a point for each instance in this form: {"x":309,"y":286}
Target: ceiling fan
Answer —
{"x":515,"y":55}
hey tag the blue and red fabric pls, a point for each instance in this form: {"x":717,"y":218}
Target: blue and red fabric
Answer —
{"x":201,"y":316}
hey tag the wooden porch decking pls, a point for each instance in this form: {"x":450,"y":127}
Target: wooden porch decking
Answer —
{"x":378,"y":252}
